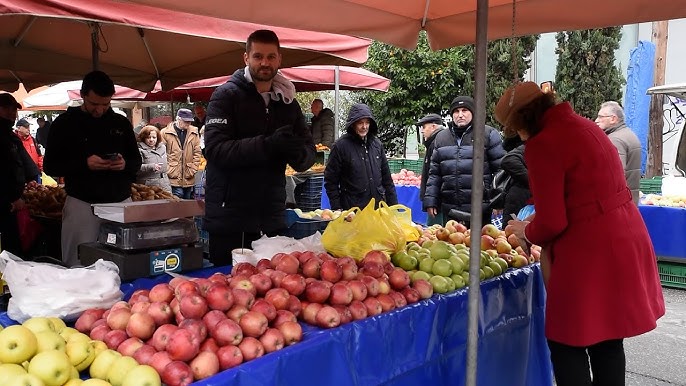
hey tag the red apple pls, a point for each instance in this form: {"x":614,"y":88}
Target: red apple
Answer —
{"x":253,"y":324}
{"x":213,"y":317}
{"x":387,"y":302}
{"x":159,"y":361}
{"x":261,"y":282}
{"x":328,"y":317}
{"x":161,"y":336}
{"x":243,"y":297}
{"x":317,"y":292}
{"x":186,"y":287}
{"x":219,"y":297}
{"x":177,"y":373}
{"x":424,"y":288}
{"x":294,"y":305}
{"x":384,"y":287}
{"x":309,"y":314}
{"x":144,"y":354}
{"x":246,"y":269}
{"x":85,"y":322}
{"x":344,"y":313}
{"x":139,"y":295}
{"x":236,"y":312}
{"x":375,"y":256}
{"x":272,"y":340}
{"x":209,"y":345}
{"x":358,"y":289}
{"x":287,"y":264}
{"x":276,"y":259}
{"x":373,"y":306}
{"x":140,"y":325}
{"x":99,"y":332}
{"x":292,"y":332}
{"x":114,"y":338}
{"x":331,"y":271}
{"x":218,"y":277}
{"x":140,"y":306}
{"x":251,"y":348}
{"x":349,"y":268}
{"x":160,"y":312}
{"x":193,"y":306}
{"x":372,"y":285}
{"x":411,"y":295}
{"x":227,"y":332}
{"x":293,"y":283}
{"x":312,"y":268}
{"x":340,"y":295}
{"x":398,"y":279}
{"x":372,"y":269}
{"x":196,"y":327}
{"x":358,"y":310}
{"x":277,"y":297}
{"x":277,"y":277}
{"x":203,"y":284}
{"x":243,"y":282}
{"x":398,"y":298}
{"x":486,"y":242}
{"x":130,"y":346}
{"x":263,"y":264}
{"x":229,"y":356}
{"x":283,"y":316}
{"x":182,"y":346}
{"x":205,"y":365}
{"x":118,"y":319}
{"x":265,"y":308}
{"x":99,"y":322}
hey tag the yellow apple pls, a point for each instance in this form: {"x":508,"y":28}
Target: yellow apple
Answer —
{"x":74,"y":373}
{"x":102,"y":362}
{"x":52,"y":367}
{"x":142,"y":375}
{"x":58,"y":324}
{"x":98,"y":346}
{"x":95,"y":382}
{"x":39,"y":324}
{"x":78,"y":336}
{"x":17,"y":344}
{"x":9,"y":371}
{"x":50,"y":340}
{"x":74,"y":382}
{"x":119,"y":369}
{"x":67,"y":332}
{"x":26,"y":380}
{"x":81,"y":354}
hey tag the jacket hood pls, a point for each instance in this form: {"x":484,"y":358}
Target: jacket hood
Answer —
{"x":325,"y":112}
{"x":359,"y":111}
{"x":239,"y":79}
{"x":510,"y":143}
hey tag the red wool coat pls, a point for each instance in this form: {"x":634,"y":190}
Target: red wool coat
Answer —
{"x":604,"y":282}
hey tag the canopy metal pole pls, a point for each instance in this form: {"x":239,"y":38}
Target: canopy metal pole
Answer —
{"x":479,"y":127}
{"x":95,"y":49}
{"x":336,"y":87}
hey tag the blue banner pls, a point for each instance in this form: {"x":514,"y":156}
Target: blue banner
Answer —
{"x":636,"y":103}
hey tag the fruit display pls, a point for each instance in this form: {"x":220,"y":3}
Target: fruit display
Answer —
{"x":671,"y":201}
{"x":441,"y":255}
{"x":320,"y":147}
{"x":318,"y":214}
{"x":141,"y":192}
{"x":406,"y":178}
{"x":316,"y":168}
{"x":45,"y":352}
{"x":44,"y":200}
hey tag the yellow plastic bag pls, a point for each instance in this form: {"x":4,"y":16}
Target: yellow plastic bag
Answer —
{"x":368,"y":230}
{"x":404,"y":215}
{"x":47,"y":180}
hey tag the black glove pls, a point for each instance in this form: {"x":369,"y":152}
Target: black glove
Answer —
{"x":283,"y":141}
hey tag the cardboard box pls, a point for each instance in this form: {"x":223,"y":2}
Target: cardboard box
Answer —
{"x":152,"y":210}
{"x":135,"y":265}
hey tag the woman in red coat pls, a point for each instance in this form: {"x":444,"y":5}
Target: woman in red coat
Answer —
{"x":603,"y":284}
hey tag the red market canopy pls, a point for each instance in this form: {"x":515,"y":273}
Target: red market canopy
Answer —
{"x":49,"y":41}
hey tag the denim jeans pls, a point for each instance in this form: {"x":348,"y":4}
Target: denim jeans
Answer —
{"x":181,"y":192}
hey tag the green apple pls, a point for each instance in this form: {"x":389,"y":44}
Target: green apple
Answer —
{"x":420,"y":275}
{"x":407,"y":262}
{"x":439,"y":283}
{"x":440,"y":250}
{"x":142,"y":375}
{"x":451,"y":284}
{"x":497,"y":269}
{"x":442,"y":267}
{"x":50,"y":340}
{"x":9,"y":371}
{"x":58,"y":324}
{"x":465,"y":276}
{"x":502,"y":262}
{"x":98,"y":346}
{"x":458,"y":280}
{"x":119,"y":369}
{"x":17,"y":344}
{"x":81,"y":354}
{"x":67,"y":332}
{"x":52,"y":367}
{"x":456,"y":264}
{"x":102,"y":362}
{"x":426,"y":265}
{"x":25,"y":380}
{"x":482,"y":274}
{"x":412,"y":246}
{"x":38,"y":324}
{"x":460,"y":247}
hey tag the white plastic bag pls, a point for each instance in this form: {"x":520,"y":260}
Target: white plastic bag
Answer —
{"x":266,"y":247}
{"x":41,"y":289}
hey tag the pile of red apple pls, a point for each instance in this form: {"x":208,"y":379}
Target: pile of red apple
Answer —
{"x":406,"y":178}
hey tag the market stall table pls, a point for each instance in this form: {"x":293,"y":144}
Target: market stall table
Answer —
{"x":407,"y":195}
{"x":424,"y":343}
{"x":666,"y":227}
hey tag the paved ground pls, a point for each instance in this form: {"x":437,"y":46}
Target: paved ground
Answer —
{"x":658,"y":358}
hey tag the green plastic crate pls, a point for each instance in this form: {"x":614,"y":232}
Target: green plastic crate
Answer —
{"x":651,"y":185}
{"x":672,"y":274}
{"x":396,"y":164}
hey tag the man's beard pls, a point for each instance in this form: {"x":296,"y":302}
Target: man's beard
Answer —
{"x":257,"y":75}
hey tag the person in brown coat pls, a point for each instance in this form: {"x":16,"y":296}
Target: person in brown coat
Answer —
{"x":183,"y":153}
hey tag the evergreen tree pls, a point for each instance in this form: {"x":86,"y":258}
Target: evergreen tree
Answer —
{"x":587,"y":74}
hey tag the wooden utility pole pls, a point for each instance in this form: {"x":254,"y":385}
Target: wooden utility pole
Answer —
{"x":654,"y":166}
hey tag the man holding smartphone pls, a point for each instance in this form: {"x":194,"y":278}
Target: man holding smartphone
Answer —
{"x":95,"y":150}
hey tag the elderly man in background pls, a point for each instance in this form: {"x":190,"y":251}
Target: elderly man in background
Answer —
{"x":611,"y":119}
{"x":322,"y":124}
{"x":183,"y":153}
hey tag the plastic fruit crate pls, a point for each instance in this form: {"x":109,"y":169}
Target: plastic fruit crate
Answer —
{"x":308,"y":195}
{"x":672,"y":274}
{"x":651,"y":185}
{"x":298,"y":227}
{"x":396,"y":164}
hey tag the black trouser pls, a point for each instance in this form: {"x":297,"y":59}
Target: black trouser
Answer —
{"x":571,"y":364}
{"x":221,"y":245}
{"x":9,"y":233}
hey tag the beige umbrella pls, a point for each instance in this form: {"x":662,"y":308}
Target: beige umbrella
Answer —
{"x":49,"y":41}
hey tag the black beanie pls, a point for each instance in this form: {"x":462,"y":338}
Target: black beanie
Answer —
{"x":462,"y":101}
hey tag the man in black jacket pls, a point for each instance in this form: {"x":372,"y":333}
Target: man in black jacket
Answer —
{"x":95,"y":150}
{"x":254,"y":127}
{"x":430,"y":125}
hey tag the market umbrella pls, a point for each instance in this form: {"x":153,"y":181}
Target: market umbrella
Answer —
{"x":448,"y":23}
{"x":49,"y":41}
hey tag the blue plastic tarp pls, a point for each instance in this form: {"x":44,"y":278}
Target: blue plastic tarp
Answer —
{"x":424,"y":343}
{"x":407,"y":195}
{"x":666,"y":229}
{"x":636,"y":103}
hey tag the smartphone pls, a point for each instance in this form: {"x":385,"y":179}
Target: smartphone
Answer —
{"x":111,"y":156}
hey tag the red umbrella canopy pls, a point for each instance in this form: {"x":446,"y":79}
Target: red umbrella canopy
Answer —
{"x":448,"y":22}
{"x":49,"y":41}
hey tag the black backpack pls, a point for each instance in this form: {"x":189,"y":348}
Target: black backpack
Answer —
{"x":501,"y":183}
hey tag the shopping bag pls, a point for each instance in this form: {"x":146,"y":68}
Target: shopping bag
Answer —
{"x":404,"y":216}
{"x":367,"y":230}
{"x":525,"y":212}
{"x":47,"y":180}
{"x":29,"y":229}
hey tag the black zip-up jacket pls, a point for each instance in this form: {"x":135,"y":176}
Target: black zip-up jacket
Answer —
{"x":246,"y":186}
{"x":357,"y":170}
{"x":429,"y":146}
{"x":13,"y":173}
{"x":76,"y":135}
{"x":518,"y":192}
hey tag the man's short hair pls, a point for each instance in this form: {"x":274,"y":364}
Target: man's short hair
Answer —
{"x":615,"y":109}
{"x":98,"y":82}
{"x":317,"y":100}
{"x":262,"y":36}
{"x":40,"y":119}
